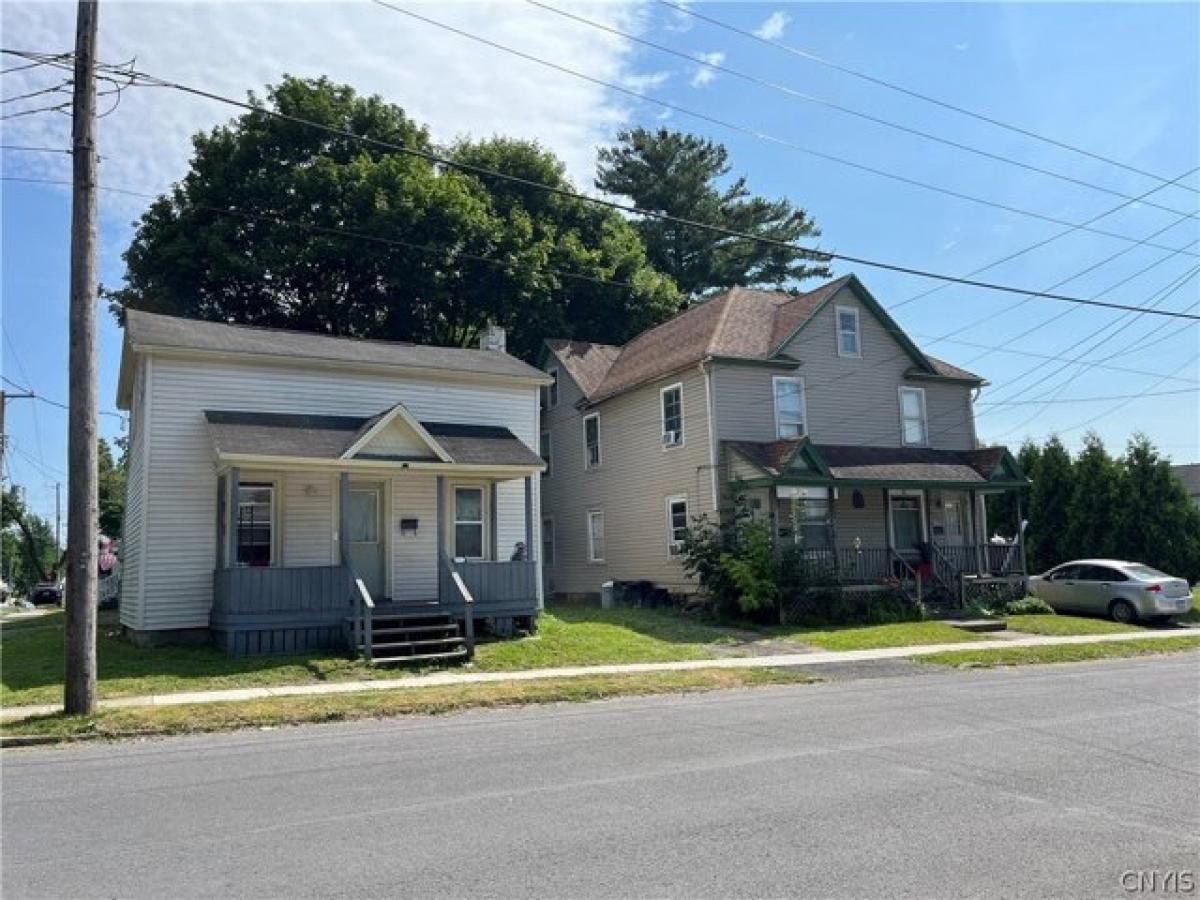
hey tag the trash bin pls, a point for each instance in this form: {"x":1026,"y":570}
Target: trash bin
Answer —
{"x":607,"y":595}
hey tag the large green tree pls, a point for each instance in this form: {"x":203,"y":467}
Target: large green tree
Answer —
{"x":280,"y":223}
{"x":1159,"y":523}
{"x":27,"y":544}
{"x":686,"y":176}
{"x":1049,"y":506}
{"x":111,"y":490}
{"x":1097,"y":503}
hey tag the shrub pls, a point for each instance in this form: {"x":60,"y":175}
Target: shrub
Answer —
{"x":750,"y":565}
{"x":1027,"y":606}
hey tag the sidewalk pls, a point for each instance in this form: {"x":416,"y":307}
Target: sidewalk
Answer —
{"x":438,"y":679}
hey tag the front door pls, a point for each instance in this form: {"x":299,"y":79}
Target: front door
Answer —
{"x":367,"y":545}
{"x":908,"y":523}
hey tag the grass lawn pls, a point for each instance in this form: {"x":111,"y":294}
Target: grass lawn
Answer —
{"x":1021,"y":656}
{"x":31,"y":655}
{"x":867,"y":637}
{"x":365,"y":705}
{"x":1065,"y":624}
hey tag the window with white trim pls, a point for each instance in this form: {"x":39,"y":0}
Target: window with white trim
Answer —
{"x":677,"y":524}
{"x":913,"y":425}
{"x":255,"y":538}
{"x":790,"y":407}
{"x":595,"y":527}
{"x":591,"y":441}
{"x":550,"y":391}
{"x":848,"y":336}
{"x":672,"y":415}
{"x":468,"y":522}
{"x":548,"y":541}
{"x":544,"y":452}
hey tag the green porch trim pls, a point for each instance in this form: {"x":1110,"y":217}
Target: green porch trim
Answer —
{"x":801,"y":481}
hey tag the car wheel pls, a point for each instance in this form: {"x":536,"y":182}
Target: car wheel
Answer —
{"x":1122,"y":611}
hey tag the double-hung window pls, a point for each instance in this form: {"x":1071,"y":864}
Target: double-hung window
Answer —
{"x":848,"y":337}
{"x":677,"y":524}
{"x":790,"y":407}
{"x":913,"y":425}
{"x":468,"y":522}
{"x":255,"y":536}
{"x":544,"y":451}
{"x":672,"y":416}
{"x":595,"y":529}
{"x":591,"y":441}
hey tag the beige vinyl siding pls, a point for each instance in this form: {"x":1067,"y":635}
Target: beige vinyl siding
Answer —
{"x":181,"y":509}
{"x":132,"y":526}
{"x":850,"y":400}
{"x":869,"y":523}
{"x":414,"y":558}
{"x":630,"y":487}
{"x":307,"y":518}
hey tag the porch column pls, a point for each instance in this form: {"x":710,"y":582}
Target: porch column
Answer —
{"x":529,"y":519}
{"x":1021,"y":537}
{"x":831,"y":523}
{"x":344,"y":518}
{"x":235,"y":476}
{"x":494,"y":518}
{"x":977,"y":521}
{"x":441,"y":518}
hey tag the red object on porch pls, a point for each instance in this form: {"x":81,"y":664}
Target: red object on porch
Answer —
{"x":924,"y":569}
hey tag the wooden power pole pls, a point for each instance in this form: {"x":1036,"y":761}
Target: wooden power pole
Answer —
{"x":82,"y":484}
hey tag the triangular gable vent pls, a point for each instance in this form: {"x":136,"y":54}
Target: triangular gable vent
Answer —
{"x":396,"y":434}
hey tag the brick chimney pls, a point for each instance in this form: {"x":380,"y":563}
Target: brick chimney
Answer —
{"x":493,"y":338}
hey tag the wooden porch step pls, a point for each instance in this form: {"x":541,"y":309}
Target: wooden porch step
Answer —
{"x":377,"y":629}
{"x":377,"y":646}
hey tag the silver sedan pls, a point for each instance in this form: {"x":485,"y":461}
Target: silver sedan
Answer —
{"x":1123,"y":591}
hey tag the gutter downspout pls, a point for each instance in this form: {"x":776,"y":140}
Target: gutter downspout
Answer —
{"x":706,"y":370}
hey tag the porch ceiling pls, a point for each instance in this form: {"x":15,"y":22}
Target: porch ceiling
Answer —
{"x":327,"y":438}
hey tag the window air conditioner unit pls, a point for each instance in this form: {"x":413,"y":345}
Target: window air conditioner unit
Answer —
{"x":670,"y":438}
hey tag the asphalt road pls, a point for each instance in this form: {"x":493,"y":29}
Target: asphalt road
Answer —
{"x":1029,"y":782}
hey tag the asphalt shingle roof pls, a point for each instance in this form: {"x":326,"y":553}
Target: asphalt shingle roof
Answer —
{"x":741,"y":322}
{"x":328,"y":437}
{"x":145,"y":329}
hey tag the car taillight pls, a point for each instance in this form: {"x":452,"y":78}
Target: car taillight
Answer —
{"x":1154,"y":588}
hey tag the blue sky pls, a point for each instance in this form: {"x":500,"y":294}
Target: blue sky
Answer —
{"x":1119,"y":80}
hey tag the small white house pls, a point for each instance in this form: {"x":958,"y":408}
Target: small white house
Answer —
{"x":284,"y":484}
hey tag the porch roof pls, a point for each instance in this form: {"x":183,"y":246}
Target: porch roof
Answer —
{"x":800,"y":461}
{"x":329,"y":438}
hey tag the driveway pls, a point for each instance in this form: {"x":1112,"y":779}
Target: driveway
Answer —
{"x":1035,"y":781}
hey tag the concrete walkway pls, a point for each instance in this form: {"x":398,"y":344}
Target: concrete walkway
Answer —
{"x":441,"y":679}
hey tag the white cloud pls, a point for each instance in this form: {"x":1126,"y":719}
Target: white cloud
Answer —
{"x":641,"y":83}
{"x":704,"y":74}
{"x":453,"y":85}
{"x":773,"y":27}
{"x":962,"y":46}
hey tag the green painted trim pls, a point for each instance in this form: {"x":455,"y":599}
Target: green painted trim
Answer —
{"x":878,"y":311}
{"x":799,"y":481}
{"x":775,"y":362}
{"x":947,"y":379}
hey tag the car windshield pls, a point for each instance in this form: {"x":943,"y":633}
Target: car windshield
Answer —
{"x":1145,"y":572}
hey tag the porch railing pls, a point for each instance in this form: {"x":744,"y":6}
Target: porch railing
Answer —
{"x":453,"y":589}
{"x":255,"y":590}
{"x":871,"y":564}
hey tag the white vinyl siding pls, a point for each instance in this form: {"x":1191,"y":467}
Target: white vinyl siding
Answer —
{"x":595,"y":531}
{"x":414,"y":556}
{"x":309,"y":501}
{"x":914,"y":427}
{"x":671,"y":398}
{"x":790,"y":417}
{"x":849,"y":336}
{"x":180,"y":517}
{"x":132,"y":549}
{"x":591,"y":441}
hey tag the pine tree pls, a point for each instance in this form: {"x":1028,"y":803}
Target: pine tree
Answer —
{"x":1159,"y":524}
{"x":1049,"y":502}
{"x":1098,"y":499}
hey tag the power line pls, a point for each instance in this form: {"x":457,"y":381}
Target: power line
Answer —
{"x":803,"y":97}
{"x":1177,"y":391}
{"x":881,"y":82}
{"x":439,"y":159}
{"x":57,"y":403}
{"x":741,"y":129}
{"x":17,"y":147}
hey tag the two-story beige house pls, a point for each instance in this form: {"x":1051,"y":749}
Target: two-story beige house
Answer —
{"x":816,"y":407}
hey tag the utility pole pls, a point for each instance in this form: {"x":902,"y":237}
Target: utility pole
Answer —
{"x":4,"y":398}
{"x":79,"y":695}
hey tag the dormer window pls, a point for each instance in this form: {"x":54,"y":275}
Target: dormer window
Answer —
{"x":672,"y":416}
{"x":848,"y":336}
{"x":914,"y":425}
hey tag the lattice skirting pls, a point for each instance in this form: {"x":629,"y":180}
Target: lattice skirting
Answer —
{"x":994,"y":592}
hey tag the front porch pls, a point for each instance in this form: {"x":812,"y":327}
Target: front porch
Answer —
{"x":392,"y":548}
{"x":865,"y":518}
